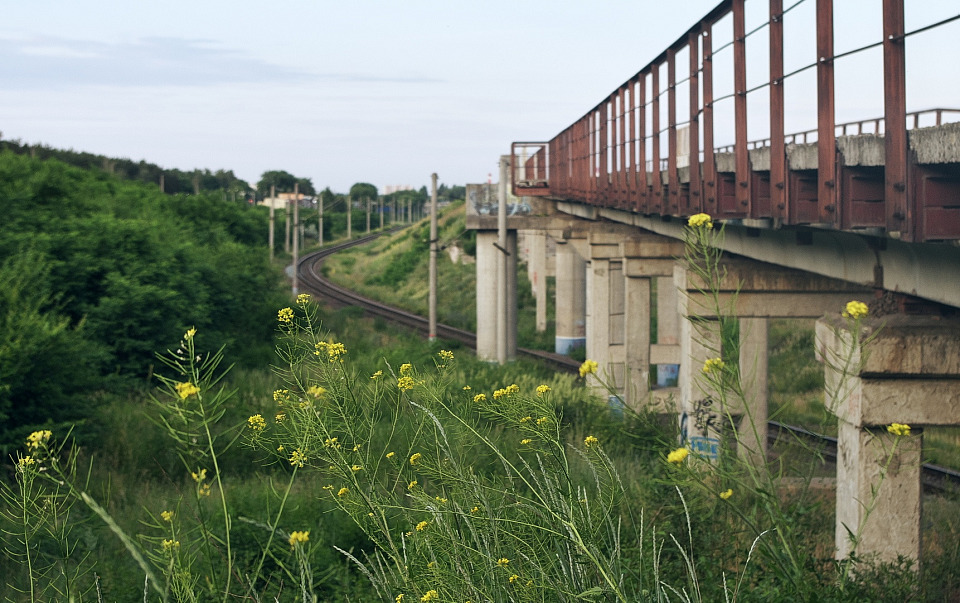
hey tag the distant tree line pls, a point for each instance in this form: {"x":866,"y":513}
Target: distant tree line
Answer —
{"x":174,"y":181}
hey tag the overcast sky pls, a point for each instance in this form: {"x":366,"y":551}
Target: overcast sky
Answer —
{"x":381,"y":91}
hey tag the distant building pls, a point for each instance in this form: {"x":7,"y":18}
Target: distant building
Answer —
{"x":281,"y":200}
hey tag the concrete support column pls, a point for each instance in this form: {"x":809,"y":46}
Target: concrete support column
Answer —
{"x":752,"y":431}
{"x":571,"y":298}
{"x":537,"y":272}
{"x":702,"y":417}
{"x":909,"y":373}
{"x":636,"y":329}
{"x":488,"y":257}
{"x":668,"y":319}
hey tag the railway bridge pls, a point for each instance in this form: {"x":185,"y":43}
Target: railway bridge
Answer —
{"x":857,"y":209}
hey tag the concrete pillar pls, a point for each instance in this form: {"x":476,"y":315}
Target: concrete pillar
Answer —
{"x":488,"y":257}
{"x":571,"y":298}
{"x":636,"y":329}
{"x":668,"y":319}
{"x":702,"y":413}
{"x":752,"y":431}
{"x":537,"y":272}
{"x":909,"y":373}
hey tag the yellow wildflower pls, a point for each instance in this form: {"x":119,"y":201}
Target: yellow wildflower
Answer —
{"x":185,"y":390}
{"x":334,"y":350}
{"x":502,"y":562}
{"x":590,"y":441}
{"x":726,"y":493}
{"x":400,"y":598}
{"x":204,"y":490}
{"x":467,"y":388}
{"x":170,"y":545}
{"x":514,"y":578}
{"x":588,"y":368}
{"x":257,"y":423}
{"x":38,"y":438}
{"x":356,"y":468}
{"x":422,"y":526}
{"x":343,"y":492}
{"x":166,"y":516}
{"x":542,"y":420}
{"x":899,"y":429}
{"x":25,"y":462}
{"x":855,"y":310}
{"x":299,"y":538}
{"x":391,"y":454}
{"x":479,"y":398}
{"x":405,"y":368}
{"x":430,"y":596}
{"x":377,"y":375}
{"x":199,"y":476}
{"x":280,"y":416}
{"x":331,"y":443}
{"x":412,"y":485}
{"x":440,"y":500}
{"x":316,"y":391}
{"x":280,"y":395}
{"x":285,"y":316}
{"x":713,"y":365}
{"x":700,"y":221}
{"x":405,"y":383}
{"x":190,"y":333}
{"x":297,"y":458}
{"x":432,"y":565}
{"x":525,"y":441}
{"x":499,"y":394}
{"x":512,"y":389}
{"x":677,"y":456}
{"x":475,"y":510}
{"x":542,"y":389}
{"x":303,"y":298}
{"x":415,"y":458}
{"x":445,"y":355}
{"x":526,"y":419}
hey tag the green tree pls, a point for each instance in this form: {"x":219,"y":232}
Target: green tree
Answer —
{"x":284,"y":183}
{"x":363,"y":190}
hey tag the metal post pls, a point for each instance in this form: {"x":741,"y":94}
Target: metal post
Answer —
{"x":270,"y":235}
{"x":320,"y":220}
{"x":368,"y":215}
{"x":433,"y":260}
{"x":502,"y":264}
{"x":349,"y":217}
{"x":826,"y":137}
{"x":286,"y":236}
{"x":380,"y":211}
{"x":296,"y":234}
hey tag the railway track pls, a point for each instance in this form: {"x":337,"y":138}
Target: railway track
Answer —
{"x":934,"y":477}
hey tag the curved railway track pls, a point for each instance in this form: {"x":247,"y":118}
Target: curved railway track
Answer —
{"x":935,"y":478}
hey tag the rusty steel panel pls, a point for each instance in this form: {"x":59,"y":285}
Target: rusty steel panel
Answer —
{"x":694,"y":190}
{"x":937,"y":191}
{"x":727,"y":205}
{"x":899,"y":213}
{"x":742,"y":156}
{"x":778,"y":156}
{"x":826,"y":120}
{"x":760,"y":206}
{"x":861,"y":197}
{"x":803,"y":196}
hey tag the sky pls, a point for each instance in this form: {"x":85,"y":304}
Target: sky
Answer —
{"x":378,"y":91}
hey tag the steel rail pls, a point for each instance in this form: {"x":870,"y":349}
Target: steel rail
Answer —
{"x":313,"y":281}
{"x":935,"y":478}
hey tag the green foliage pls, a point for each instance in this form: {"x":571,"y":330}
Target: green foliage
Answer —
{"x":363,"y":190}
{"x":111,"y":270}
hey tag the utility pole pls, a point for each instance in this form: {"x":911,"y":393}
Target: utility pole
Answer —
{"x":380,"y":210}
{"x":368,"y":215}
{"x":320,"y":219}
{"x":273,"y":220}
{"x":502,"y":264}
{"x":286,"y":239}
{"x":349,"y":217}
{"x":433,"y":261}
{"x":296,"y":235}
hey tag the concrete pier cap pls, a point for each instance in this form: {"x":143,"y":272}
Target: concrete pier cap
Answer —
{"x":898,"y":369}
